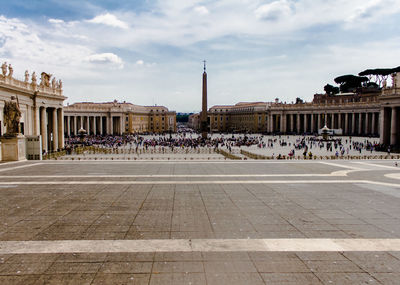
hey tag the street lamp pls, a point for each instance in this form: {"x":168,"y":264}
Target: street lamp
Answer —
{"x":82,"y":133}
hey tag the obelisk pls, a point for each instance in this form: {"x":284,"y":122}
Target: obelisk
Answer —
{"x":203,"y":117}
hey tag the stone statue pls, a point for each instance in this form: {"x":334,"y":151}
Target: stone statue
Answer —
{"x":60,"y":84}
{"x":4,"y":68}
{"x":384,"y":84}
{"x":26,"y":76}
{"x":11,"y":115}
{"x":10,"y":70}
{"x":34,"y":79}
{"x":42,"y":79}
{"x":45,"y":79}
{"x":53,"y":83}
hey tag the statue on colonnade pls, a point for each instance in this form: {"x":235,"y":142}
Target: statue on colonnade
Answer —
{"x":10,"y":71}
{"x":12,"y":116}
{"x":4,"y":68}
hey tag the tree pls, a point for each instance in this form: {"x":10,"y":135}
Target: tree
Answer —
{"x":380,"y":74}
{"x":349,"y":83}
{"x":331,"y":90}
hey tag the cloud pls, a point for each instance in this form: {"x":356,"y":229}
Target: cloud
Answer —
{"x":109,"y":20}
{"x":56,"y":21}
{"x":274,"y":10}
{"x":201,"y":10}
{"x":25,"y":43}
{"x":366,"y":10}
{"x":106,"y":58}
{"x":255,"y":48}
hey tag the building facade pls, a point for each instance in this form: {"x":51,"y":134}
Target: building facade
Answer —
{"x":114,"y":118}
{"x":40,"y":103}
{"x":366,"y":113}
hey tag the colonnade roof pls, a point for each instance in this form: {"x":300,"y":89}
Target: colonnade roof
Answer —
{"x":112,"y":106}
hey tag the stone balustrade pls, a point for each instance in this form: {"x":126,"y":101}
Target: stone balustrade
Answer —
{"x":13,"y":82}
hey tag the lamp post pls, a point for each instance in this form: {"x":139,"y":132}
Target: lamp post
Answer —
{"x":82,"y":133}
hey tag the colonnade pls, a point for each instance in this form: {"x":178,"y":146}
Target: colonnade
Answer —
{"x":48,"y":122}
{"x":351,"y":123}
{"x":93,"y":125}
{"x":390,"y":127}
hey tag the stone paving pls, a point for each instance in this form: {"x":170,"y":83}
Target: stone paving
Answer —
{"x":202,"y":222}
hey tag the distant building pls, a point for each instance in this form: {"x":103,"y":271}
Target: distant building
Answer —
{"x":242,"y":117}
{"x":365,"y":113}
{"x":194,"y":121}
{"x":115,"y":118}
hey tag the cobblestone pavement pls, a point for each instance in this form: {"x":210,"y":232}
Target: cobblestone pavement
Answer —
{"x":200,"y":222}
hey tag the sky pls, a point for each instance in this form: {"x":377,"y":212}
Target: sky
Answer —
{"x":151,"y":52}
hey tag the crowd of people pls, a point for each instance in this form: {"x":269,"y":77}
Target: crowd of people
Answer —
{"x":180,"y":140}
{"x":304,"y":145}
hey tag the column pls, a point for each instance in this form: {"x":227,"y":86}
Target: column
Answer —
{"x":360,"y":123}
{"x":271,"y":123}
{"x":340,"y":121}
{"x":36,"y":125}
{"x":312,"y":123}
{"x":333,"y":121}
{"x":346,"y":124}
{"x":75,"y":125}
{"x":353,"y":123}
{"x":292,"y":122}
{"x":60,"y":113}
{"x":101,"y":125}
{"x":81,"y":122}
{"x":43,"y":128}
{"x":318,"y":122}
{"x":54,"y":129}
{"x":326,"y":119}
{"x":382,"y":126}
{"x":111,"y":126}
{"x":283,"y":122}
{"x":366,"y":124}
{"x":88,"y":125}
{"x":94,"y":125}
{"x":121,"y":124}
{"x":298,"y":124}
{"x":68,"y":126}
{"x":305,"y":123}
{"x":373,"y":123}
{"x":393,"y":127}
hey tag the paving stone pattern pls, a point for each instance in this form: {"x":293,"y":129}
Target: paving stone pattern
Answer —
{"x":247,"y":210}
